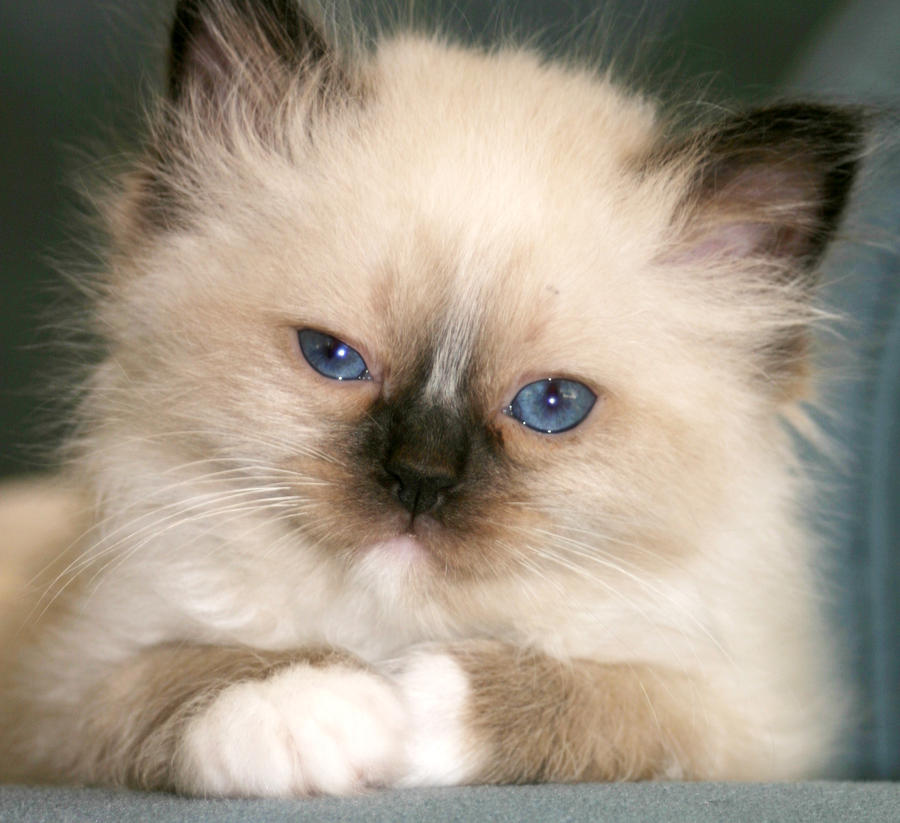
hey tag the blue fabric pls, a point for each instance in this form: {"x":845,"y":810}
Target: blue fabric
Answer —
{"x":868,"y":518}
{"x":884,"y":535}
{"x":858,"y":59}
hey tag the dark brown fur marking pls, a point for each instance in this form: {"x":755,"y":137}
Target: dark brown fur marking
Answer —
{"x":546,"y":720}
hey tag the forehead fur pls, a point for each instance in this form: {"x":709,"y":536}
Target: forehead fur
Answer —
{"x":470,"y":223}
{"x":461,"y":180}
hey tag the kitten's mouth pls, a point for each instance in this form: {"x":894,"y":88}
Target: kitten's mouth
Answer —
{"x":403,"y":547}
{"x":394,"y":560}
{"x":410,"y":546}
{"x":420,"y":529}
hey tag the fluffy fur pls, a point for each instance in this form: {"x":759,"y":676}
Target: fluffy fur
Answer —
{"x":250,"y":610}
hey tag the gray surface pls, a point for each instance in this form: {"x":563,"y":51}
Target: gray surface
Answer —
{"x":646,"y":802}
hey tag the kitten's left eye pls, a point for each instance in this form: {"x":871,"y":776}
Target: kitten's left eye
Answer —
{"x":553,"y":405}
{"x":331,"y":357}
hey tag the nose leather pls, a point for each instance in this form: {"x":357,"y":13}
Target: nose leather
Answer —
{"x":426,"y":455}
{"x":420,"y":484}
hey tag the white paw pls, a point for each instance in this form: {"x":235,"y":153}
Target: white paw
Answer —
{"x":440,"y":751}
{"x":305,"y":730}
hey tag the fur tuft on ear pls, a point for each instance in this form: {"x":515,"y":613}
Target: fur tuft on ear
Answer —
{"x":764,"y":196}
{"x":770,"y":184}
{"x":242,"y":75}
{"x":214,"y":41}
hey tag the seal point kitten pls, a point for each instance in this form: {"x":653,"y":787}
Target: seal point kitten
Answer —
{"x":439,"y":435}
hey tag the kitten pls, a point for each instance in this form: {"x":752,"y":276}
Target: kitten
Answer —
{"x":439,"y":436}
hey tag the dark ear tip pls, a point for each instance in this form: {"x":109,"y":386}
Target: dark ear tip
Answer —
{"x":781,"y":174}
{"x":277,"y":27}
{"x":184,"y":28}
{"x":823,"y":132}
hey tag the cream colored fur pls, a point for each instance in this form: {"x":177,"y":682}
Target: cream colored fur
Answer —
{"x":490,"y":206}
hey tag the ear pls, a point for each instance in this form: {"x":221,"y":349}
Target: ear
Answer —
{"x":231,"y":65}
{"x":217,"y":44}
{"x":766,"y":191}
{"x":769,"y":186}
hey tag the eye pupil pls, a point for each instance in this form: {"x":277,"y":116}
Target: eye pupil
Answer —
{"x":553,"y":405}
{"x":331,"y":357}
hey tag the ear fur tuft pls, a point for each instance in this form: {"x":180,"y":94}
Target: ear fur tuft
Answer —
{"x":771,"y":183}
{"x":212,"y":39}
{"x":238,"y":70}
{"x":765,"y":193}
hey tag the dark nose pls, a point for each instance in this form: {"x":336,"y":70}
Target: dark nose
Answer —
{"x":420,"y":485}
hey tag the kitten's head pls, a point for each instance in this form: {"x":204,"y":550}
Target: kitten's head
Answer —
{"x":471,"y":314}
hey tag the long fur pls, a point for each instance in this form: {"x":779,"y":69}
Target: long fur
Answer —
{"x":632,"y":598}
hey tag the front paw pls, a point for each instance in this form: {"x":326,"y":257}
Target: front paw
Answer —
{"x":441,"y":749}
{"x":304,"y":730}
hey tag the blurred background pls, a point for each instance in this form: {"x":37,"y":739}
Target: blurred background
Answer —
{"x":72,"y":77}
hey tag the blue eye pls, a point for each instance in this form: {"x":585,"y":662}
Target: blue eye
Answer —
{"x":332,"y":357}
{"x":553,"y":405}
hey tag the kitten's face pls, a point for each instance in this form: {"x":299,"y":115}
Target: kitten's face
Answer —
{"x":462,"y":262}
{"x":481,"y":243}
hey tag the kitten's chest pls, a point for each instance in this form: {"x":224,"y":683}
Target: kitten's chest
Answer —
{"x":268,"y":592}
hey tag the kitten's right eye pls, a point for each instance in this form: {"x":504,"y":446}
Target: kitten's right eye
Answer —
{"x":331,"y":357}
{"x":552,"y":406}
